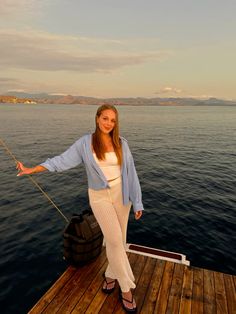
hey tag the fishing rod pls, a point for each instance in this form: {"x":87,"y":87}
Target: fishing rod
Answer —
{"x":34,"y":181}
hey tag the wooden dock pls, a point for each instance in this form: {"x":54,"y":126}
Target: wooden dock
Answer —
{"x":163,"y":287}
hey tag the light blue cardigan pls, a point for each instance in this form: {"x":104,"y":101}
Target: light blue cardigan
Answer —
{"x":81,"y":151}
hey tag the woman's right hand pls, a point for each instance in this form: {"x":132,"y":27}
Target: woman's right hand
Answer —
{"x":22,"y":169}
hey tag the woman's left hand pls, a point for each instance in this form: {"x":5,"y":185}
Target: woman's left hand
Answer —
{"x":138,"y":214}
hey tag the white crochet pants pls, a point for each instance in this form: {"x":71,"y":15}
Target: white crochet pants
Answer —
{"x":112,"y":216}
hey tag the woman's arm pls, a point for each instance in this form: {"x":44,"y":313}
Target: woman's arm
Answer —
{"x":24,"y":170}
{"x":69,"y":159}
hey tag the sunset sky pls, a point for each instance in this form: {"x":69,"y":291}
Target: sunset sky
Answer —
{"x":125,"y":48}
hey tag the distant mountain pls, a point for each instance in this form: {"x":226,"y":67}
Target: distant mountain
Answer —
{"x":217,"y":102}
{"x":44,"y":98}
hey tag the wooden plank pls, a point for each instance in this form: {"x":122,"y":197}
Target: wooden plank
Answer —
{"x":221,"y":302}
{"x":92,"y":292}
{"x":176,"y":290}
{"x":53,"y":291}
{"x":110,"y":303}
{"x":113,"y":299}
{"x":197,"y":297}
{"x":152,"y":293}
{"x":138,"y":267}
{"x":230,"y":293}
{"x":137,"y":271}
{"x":164,"y":291}
{"x":187,"y":287}
{"x":96,"y":305}
{"x":162,"y":287}
{"x":144,"y":281}
{"x":88,"y":286}
{"x":72,"y":285}
{"x":209,"y":301}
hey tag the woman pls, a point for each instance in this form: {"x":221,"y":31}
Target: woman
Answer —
{"x":113,"y":188}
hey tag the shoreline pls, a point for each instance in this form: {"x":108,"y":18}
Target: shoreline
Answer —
{"x":30,"y":99}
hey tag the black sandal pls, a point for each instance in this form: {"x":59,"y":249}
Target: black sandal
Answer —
{"x":128,"y":310}
{"x":106,"y":290}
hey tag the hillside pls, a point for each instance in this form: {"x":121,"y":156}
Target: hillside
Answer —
{"x":44,"y":98}
{"x":16,"y":100}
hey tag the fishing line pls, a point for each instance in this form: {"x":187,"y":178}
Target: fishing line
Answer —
{"x":34,"y":181}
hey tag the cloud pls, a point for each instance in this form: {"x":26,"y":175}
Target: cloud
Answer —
{"x":13,"y":7}
{"x":43,"y":51}
{"x":169,"y":90}
{"x":7,"y":83}
{"x":6,"y":80}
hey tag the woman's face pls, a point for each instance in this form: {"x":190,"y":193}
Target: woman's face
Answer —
{"x":106,"y":121}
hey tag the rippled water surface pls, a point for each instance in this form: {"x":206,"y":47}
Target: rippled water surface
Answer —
{"x":186,"y":161}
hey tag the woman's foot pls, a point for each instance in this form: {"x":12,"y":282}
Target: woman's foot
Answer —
{"x":108,"y":285}
{"x":128,"y":302}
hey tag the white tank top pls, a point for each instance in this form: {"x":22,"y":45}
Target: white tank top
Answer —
{"x":109,"y":166}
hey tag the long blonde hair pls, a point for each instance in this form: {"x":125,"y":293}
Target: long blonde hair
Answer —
{"x":98,"y":145}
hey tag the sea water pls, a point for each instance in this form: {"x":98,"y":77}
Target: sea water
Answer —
{"x":185,"y":158}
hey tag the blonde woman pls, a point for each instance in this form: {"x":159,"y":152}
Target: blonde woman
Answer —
{"x":113,"y":187}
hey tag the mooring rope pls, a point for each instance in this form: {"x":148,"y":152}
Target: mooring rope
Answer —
{"x":34,"y":181}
